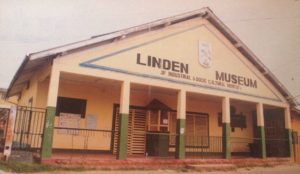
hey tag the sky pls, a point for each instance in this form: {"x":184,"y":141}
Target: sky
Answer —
{"x":270,"y":28}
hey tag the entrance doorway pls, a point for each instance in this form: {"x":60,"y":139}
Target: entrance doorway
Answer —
{"x":136,"y":130}
{"x":276,"y":136}
{"x":147,"y":126}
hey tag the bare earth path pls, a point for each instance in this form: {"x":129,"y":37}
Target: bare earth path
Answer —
{"x":285,"y":169}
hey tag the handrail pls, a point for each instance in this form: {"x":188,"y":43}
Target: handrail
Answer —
{"x":245,"y":138}
{"x":84,"y":129}
{"x":276,"y":139}
{"x":29,"y":107}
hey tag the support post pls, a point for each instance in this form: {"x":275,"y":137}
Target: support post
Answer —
{"x":226,"y":127}
{"x":261,"y":129}
{"x":124,"y":114}
{"x":180,"y":126}
{"x":50,"y":114}
{"x":288,"y":127}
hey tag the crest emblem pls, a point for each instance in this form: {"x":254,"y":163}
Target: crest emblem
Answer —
{"x":205,"y":54}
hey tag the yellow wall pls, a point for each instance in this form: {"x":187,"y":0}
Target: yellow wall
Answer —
{"x":39,"y":96}
{"x":42,"y":93}
{"x":100,"y":102}
{"x":29,"y":93}
{"x":296,"y":123}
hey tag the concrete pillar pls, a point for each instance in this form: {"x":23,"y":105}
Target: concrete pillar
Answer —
{"x":124,"y":115}
{"x":226,"y":127}
{"x":261,"y":128}
{"x":50,"y":114}
{"x":288,"y":127}
{"x":180,"y":126}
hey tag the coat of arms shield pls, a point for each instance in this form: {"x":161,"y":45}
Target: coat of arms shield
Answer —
{"x":205,"y":54}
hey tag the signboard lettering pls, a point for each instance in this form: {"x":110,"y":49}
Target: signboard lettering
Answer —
{"x":164,"y":64}
{"x":180,"y":70}
{"x":236,"y":79}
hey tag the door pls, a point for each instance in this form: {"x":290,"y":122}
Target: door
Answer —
{"x":136,"y":131}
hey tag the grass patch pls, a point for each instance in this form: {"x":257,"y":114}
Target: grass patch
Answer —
{"x":19,"y":167}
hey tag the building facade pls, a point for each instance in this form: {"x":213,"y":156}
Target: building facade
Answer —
{"x":180,"y":87}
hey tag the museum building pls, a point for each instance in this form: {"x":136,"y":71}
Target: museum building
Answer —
{"x":180,"y":87}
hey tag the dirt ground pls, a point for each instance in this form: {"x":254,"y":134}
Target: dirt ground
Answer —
{"x":285,"y":169}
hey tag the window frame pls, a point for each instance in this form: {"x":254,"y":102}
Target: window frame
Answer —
{"x":60,"y":99}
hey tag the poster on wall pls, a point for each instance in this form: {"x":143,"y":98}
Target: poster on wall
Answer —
{"x":91,"y":122}
{"x":69,"y":120}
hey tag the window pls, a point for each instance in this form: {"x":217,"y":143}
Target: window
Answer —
{"x":197,"y":130}
{"x":158,"y":120}
{"x":71,"y":105}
